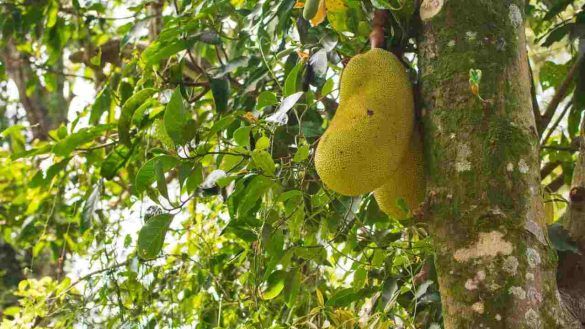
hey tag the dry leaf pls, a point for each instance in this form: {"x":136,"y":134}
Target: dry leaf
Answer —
{"x":303,"y":55}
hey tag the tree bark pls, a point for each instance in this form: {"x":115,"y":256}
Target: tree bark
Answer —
{"x":495,"y":265}
{"x":571,"y":272}
{"x":44,"y":110}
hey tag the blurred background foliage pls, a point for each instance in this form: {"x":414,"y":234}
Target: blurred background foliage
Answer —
{"x":156,"y":164}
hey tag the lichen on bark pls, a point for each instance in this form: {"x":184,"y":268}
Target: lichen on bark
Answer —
{"x":484,"y":201}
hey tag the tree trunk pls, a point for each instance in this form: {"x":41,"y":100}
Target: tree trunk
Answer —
{"x":495,"y":265}
{"x":44,"y":110}
{"x":571,"y":272}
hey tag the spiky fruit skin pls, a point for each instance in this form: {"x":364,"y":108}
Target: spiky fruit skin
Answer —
{"x":406,"y":182}
{"x":372,"y":127}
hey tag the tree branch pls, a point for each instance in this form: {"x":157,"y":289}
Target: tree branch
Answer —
{"x":559,"y":95}
{"x":556,"y":184}
{"x":535,"y":106}
{"x":549,"y":167}
{"x":556,"y":123}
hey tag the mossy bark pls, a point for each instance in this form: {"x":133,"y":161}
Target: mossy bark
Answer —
{"x":571,"y":271}
{"x":495,"y":264}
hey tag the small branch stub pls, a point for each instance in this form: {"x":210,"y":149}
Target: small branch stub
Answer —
{"x":430,"y":8}
{"x":577,"y":194}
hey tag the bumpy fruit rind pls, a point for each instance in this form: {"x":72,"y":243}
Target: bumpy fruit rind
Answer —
{"x":372,"y":127}
{"x":407,"y":182}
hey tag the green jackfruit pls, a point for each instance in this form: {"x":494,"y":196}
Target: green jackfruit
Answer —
{"x":310,"y":9}
{"x":407,"y":182}
{"x":372,"y":127}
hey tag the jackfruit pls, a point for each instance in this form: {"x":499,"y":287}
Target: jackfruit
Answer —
{"x":406,"y":182}
{"x":310,"y":9}
{"x":372,"y":127}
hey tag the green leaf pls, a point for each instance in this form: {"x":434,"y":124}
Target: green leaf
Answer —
{"x":125,"y":90}
{"x":552,"y":74}
{"x":222,"y":124}
{"x":103,"y":103}
{"x":247,"y":193}
{"x":272,"y":240}
{"x":263,"y":160}
{"x":179,"y":124}
{"x":45,"y":178}
{"x":557,"y":7}
{"x":114,"y":161}
{"x":152,"y":236}
{"x":230,"y":161}
{"x":85,"y":135}
{"x":128,"y":110}
{"x":52,"y":13}
{"x":316,"y":254}
{"x":274,"y":284}
{"x":158,"y":51}
{"x":389,"y":289}
{"x":161,"y":183}
{"x":266,"y":98}
{"x":220,"y":88}
{"x":89,"y":207}
{"x":140,"y":112}
{"x":343,"y":298}
{"x":292,"y":288}
{"x":32,"y":152}
{"x":263,"y":143}
{"x":290,"y":84}
{"x":558,"y":34}
{"x":195,"y":179}
{"x":386,"y":4}
{"x":97,"y":59}
{"x":147,"y":173}
{"x":242,"y":136}
{"x":327,"y":87}
{"x":302,"y":153}
{"x":344,"y":16}
{"x":574,"y":120}
{"x":14,"y":134}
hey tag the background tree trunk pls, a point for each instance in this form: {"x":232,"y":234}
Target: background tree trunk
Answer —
{"x":45,"y":110}
{"x":571,"y":272}
{"x":495,"y":265}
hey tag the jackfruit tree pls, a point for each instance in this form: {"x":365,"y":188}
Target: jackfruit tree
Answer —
{"x":292,"y":164}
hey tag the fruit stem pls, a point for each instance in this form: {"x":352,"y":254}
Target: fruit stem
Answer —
{"x":378,"y":23}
